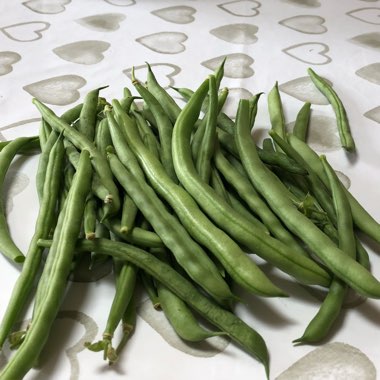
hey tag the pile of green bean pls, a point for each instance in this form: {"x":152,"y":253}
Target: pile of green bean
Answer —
{"x":181,"y":200}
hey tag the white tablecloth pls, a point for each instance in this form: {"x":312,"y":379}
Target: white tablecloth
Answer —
{"x":58,"y":50}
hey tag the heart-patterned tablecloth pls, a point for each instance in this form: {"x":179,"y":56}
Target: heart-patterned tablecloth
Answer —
{"x":58,"y":50}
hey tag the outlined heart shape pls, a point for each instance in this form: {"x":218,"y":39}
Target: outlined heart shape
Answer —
{"x":60,"y":90}
{"x":314,"y":53}
{"x":105,"y":22}
{"x":164,"y":73}
{"x":178,"y":14}
{"x":332,"y":360}
{"x":25,"y":31}
{"x":7,"y":59}
{"x":373,"y":114}
{"x":308,"y":24}
{"x":46,"y":7}
{"x":368,"y":40}
{"x":244,"y":34}
{"x":304,"y":89}
{"x":121,"y":3}
{"x":241,"y":8}
{"x":370,"y":15}
{"x":370,"y":72}
{"x":237,"y":65}
{"x":304,"y":3}
{"x":164,"y":42}
{"x":83,"y":52}
{"x":15,"y":183}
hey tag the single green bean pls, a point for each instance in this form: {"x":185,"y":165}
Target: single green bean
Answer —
{"x":169,"y":104}
{"x":276,"y":113}
{"x":128,"y":214}
{"x":7,"y":246}
{"x":301,"y":124}
{"x":337,"y":105}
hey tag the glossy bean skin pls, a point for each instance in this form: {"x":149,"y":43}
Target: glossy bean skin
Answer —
{"x":193,"y":219}
{"x":301,"y":125}
{"x":338,"y":107}
{"x":162,"y":96}
{"x":273,"y":190}
{"x":44,"y":224}
{"x":244,"y":335}
{"x":88,"y":114}
{"x":207,"y":147}
{"x":81,"y":142}
{"x":7,"y":246}
{"x":276,"y":113}
{"x":43,"y":162}
{"x":188,"y":254}
{"x":61,"y":253}
{"x":177,"y":312}
{"x":226,"y":217}
{"x":164,"y":126}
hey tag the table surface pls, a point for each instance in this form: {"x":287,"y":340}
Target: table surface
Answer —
{"x":59,"y":50}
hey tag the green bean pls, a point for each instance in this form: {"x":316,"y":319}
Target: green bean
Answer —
{"x":311,"y":181}
{"x":150,"y":289}
{"x":268,"y":145}
{"x":187,"y":252}
{"x":321,"y":324}
{"x":301,"y":124}
{"x":128,"y":214}
{"x":72,"y":115}
{"x":89,"y":218}
{"x":276,"y":113}
{"x":125,"y":286}
{"x":196,"y":142}
{"x":44,"y":133}
{"x":128,"y":324}
{"x":179,"y":314}
{"x":225,"y":216}
{"x":98,"y":188}
{"x":362,"y":219}
{"x":7,"y":246}
{"x":123,"y":150}
{"x":194,"y":220}
{"x":206,"y":151}
{"x":137,"y":235}
{"x":43,"y":162}
{"x":45,"y":218}
{"x":271,"y":188}
{"x":226,"y":321}
{"x":257,"y":205}
{"x":168,"y":103}
{"x":277,"y":159}
{"x":102,"y":136}
{"x":88,"y":116}
{"x":32,"y":146}
{"x":81,"y":142}
{"x":337,"y":105}
{"x":164,"y":125}
{"x":61,"y":253}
